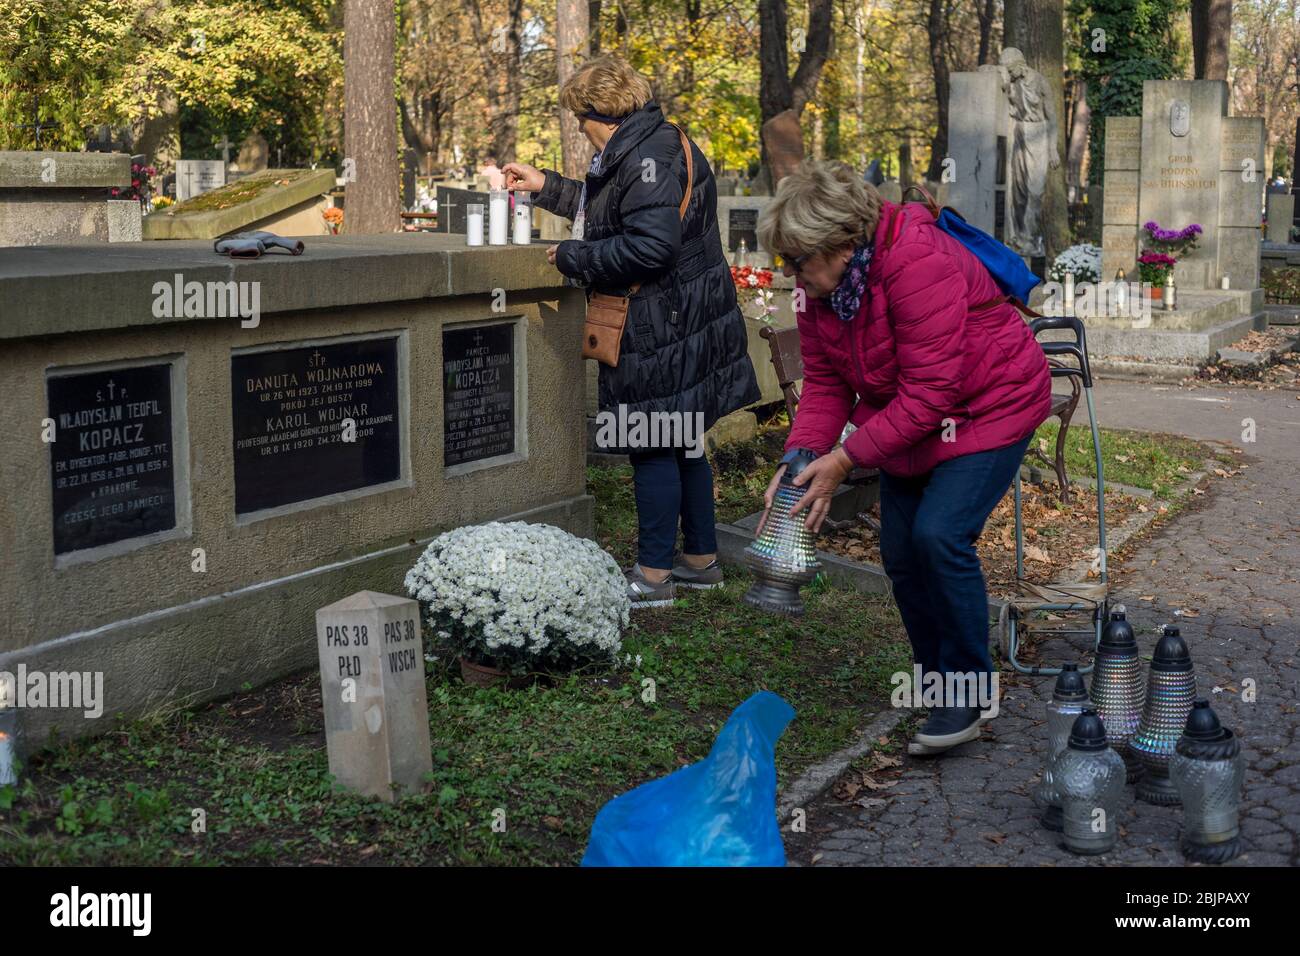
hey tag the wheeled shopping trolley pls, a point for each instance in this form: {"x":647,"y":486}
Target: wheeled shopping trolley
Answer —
{"x":1069,"y":605}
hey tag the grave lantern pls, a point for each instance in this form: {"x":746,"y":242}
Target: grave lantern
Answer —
{"x":1091,"y":779}
{"x":1171,"y":687}
{"x":8,"y":742}
{"x":782,"y":557}
{"x":1117,"y":690}
{"x":1208,"y":769}
{"x":1069,"y":698}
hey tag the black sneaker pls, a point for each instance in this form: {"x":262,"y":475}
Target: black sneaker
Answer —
{"x":946,"y":728}
{"x":705,"y":578}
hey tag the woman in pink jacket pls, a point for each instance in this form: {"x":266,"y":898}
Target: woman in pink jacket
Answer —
{"x":905,"y":334}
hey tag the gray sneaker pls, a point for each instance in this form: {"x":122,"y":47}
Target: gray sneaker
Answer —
{"x":645,"y":593}
{"x":705,"y":578}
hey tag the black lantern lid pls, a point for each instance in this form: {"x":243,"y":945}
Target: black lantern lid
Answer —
{"x":1069,"y":684}
{"x":802,"y":458}
{"x":1204,"y":738}
{"x":1088,"y":732}
{"x":1171,"y":654}
{"x":1117,"y":636}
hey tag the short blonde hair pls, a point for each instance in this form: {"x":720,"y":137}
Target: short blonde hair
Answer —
{"x":607,"y":85}
{"x":820,"y":207}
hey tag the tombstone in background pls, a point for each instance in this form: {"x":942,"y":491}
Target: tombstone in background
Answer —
{"x":873,"y":174}
{"x":197,"y":176}
{"x":978,"y":124}
{"x":1186,"y":161}
{"x":373,"y":695}
{"x":738,"y":220}
{"x":1281,"y":215}
{"x":452,"y":217}
{"x":254,"y":155}
{"x":783,"y":138}
{"x":50,"y":197}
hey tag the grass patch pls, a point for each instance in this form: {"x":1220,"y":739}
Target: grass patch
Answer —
{"x":1156,"y":462}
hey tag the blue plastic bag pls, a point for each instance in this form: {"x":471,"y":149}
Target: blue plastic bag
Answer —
{"x":720,"y":811}
{"x":1007,"y":269}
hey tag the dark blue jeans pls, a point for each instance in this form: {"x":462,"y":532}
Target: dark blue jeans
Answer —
{"x":670,"y":486}
{"x":928,"y":528}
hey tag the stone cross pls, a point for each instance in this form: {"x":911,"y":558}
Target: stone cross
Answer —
{"x":373,"y":694}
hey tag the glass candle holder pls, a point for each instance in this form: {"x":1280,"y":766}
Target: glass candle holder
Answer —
{"x":498,"y":217}
{"x":523,"y":219}
{"x":474,"y":224}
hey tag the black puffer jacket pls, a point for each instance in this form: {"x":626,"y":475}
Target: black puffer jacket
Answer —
{"x":684,"y":348}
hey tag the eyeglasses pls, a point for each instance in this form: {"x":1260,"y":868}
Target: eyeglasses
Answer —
{"x":798,"y":262}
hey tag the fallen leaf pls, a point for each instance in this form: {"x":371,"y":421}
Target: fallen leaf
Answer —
{"x":1123,"y":458}
{"x":998,"y":838}
{"x":1147,"y":597}
{"x":1035,"y":553}
{"x":816,"y":857}
{"x":554,"y":823}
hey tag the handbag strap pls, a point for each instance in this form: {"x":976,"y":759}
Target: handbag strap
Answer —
{"x":686,"y":197}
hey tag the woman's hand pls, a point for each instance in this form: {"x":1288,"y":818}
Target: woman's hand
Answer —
{"x":550,"y":253}
{"x":768,"y":497}
{"x":523,"y":176}
{"x":821,"y":477}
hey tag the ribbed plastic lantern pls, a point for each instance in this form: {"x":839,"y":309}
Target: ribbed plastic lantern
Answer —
{"x":1069,"y":698}
{"x":1171,"y":688}
{"x":1208,"y":770}
{"x":782,"y":557}
{"x":1117,"y":690}
{"x":1090,"y":776}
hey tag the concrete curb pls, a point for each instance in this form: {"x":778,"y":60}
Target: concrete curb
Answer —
{"x":814,"y":781}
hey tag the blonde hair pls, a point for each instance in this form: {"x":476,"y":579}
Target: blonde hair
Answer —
{"x":820,"y":207}
{"x":609,"y":85}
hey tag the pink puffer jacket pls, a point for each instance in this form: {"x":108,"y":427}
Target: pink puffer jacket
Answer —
{"x":916,"y":354}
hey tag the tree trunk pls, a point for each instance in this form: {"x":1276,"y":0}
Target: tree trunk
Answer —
{"x":777,"y":90}
{"x":572,"y":29}
{"x":1036,"y":29}
{"x":1077,"y":148}
{"x":158,"y":136}
{"x":370,"y":118}
{"x":1211,"y":31}
{"x":499,"y":49}
{"x":987,"y":14}
{"x":936,"y":28}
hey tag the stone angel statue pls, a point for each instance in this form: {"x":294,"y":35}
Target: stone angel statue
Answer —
{"x":1032,"y":148}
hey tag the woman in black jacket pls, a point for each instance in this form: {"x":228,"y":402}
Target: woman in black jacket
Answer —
{"x":684,"y":349}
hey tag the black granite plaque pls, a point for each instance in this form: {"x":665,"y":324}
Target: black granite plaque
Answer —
{"x":742,"y":224}
{"x":478,"y":409}
{"x":452,"y":216}
{"x":289,"y":408}
{"x":111,"y":461}
{"x":1000,"y":215}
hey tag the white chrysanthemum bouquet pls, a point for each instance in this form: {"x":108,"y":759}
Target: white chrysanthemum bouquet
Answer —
{"x":1084,"y":260}
{"x":521,"y":596}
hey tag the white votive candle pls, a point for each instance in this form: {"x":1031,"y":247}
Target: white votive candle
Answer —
{"x":523,"y":218}
{"x":498,"y":217}
{"x":474,"y":224}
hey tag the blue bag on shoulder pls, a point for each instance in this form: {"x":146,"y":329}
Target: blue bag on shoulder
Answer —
{"x":720,"y":811}
{"x":1005,"y":266}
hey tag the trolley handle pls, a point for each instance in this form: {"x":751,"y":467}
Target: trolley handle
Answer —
{"x":1078,"y":348}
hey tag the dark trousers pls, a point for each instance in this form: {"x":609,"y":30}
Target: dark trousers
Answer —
{"x":928,"y":528}
{"x":672,"y":487}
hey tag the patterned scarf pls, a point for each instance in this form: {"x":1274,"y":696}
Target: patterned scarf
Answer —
{"x":847,"y":296}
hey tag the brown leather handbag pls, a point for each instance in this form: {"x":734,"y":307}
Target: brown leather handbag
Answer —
{"x":602,"y":336}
